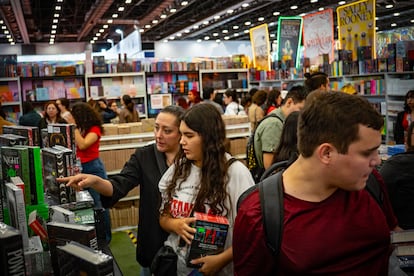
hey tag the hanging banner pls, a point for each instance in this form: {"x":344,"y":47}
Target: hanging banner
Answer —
{"x":259,"y":38}
{"x":318,"y":35}
{"x":356,"y":26}
{"x":289,"y":36}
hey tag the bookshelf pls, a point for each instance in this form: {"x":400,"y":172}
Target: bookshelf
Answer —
{"x":40,"y":90}
{"x":113,"y":85}
{"x":222,"y":79}
{"x":165,"y":87}
{"x":10,"y":98}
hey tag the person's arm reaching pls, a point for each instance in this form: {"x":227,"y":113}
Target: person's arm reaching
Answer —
{"x":81,"y":181}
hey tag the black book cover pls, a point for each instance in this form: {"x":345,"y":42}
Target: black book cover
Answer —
{"x":31,"y":133}
{"x":11,"y":251}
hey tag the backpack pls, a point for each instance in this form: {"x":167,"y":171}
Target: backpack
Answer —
{"x":271,"y":188}
{"x":251,"y":161}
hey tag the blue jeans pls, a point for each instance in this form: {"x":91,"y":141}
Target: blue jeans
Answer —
{"x":145,"y":271}
{"x":96,"y":167}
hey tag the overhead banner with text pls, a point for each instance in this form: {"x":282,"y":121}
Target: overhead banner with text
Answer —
{"x":289,"y":36}
{"x":356,"y":22}
{"x":318,"y":35}
{"x":259,"y":38}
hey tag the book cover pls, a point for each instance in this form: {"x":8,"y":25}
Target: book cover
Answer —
{"x":62,"y":134}
{"x":403,"y":236}
{"x":15,"y":162}
{"x":17,"y":211}
{"x":36,"y":176}
{"x":31,"y":133}
{"x":59,"y":214}
{"x":61,"y":233}
{"x":77,"y":259}
{"x":11,"y":251}
{"x":210,"y":236}
{"x":12,"y":140}
{"x":35,"y":224}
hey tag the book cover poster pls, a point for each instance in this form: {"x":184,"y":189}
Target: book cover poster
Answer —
{"x":356,"y":26}
{"x":259,"y":38}
{"x":318,"y":35}
{"x":160,"y":101}
{"x":289,"y":36}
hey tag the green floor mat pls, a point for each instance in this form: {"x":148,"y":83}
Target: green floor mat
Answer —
{"x":124,"y":252}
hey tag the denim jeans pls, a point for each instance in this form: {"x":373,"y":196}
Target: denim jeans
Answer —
{"x":96,"y":167}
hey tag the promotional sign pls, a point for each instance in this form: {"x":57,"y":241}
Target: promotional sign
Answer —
{"x":259,"y":38}
{"x":356,"y":26}
{"x":289,"y":35}
{"x":318,"y":35}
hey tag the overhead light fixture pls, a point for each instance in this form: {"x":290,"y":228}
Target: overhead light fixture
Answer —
{"x":393,"y":24}
{"x":390,"y":6}
{"x":260,"y":19}
{"x":105,"y":26}
{"x":245,"y":5}
{"x":141,"y":30}
{"x":247,"y":23}
{"x":184,"y":3}
{"x":110,"y":21}
{"x":163,"y":16}
{"x":396,"y":14}
{"x":218,"y":40}
{"x":235,"y":27}
{"x":294,"y":7}
{"x":206,"y":38}
{"x":198,"y":40}
{"x":276,"y":13}
{"x":120,"y":32}
{"x":230,"y":11}
{"x":215,"y":34}
{"x":155,"y":21}
{"x":115,"y":15}
{"x":147,"y":26}
{"x":341,"y":3}
{"x":313,"y":1}
{"x":111,"y":41}
{"x":226,"y":38}
{"x":121,"y":9}
{"x":173,"y":10}
{"x":224,"y":31}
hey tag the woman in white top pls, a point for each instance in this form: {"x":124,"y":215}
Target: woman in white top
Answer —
{"x":231,"y":101}
{"x":201,"y":180}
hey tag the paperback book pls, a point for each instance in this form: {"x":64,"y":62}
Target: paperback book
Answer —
{"x":210,"y":236}
{"x":11,"y":251}
{"x":17,"y":211}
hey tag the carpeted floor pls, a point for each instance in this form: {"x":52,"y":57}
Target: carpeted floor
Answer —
{"x":123,"y":250}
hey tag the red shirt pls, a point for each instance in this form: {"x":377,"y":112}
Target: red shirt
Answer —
{"x":92,"y":152}
{"x":346,"y":234}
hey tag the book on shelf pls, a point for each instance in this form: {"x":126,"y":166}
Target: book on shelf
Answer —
{"x":210,"y":236}
{"x":77,"y":259}
{"x":9,"y":139}
{"x":31,"y":133}
{"x":11,"y":251}
{"x":17,"y":211}
{"x":15,"y":162}
{"x":62,"y":233}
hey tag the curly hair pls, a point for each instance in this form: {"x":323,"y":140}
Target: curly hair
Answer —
{"x":86,"y":117}
{"x":208,"y":123}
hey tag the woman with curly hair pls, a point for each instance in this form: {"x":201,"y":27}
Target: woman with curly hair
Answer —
{"x":273,"y":101}
{"x":88,"y":134}
{"x":202,"y":179}
{"x":128,"y":113}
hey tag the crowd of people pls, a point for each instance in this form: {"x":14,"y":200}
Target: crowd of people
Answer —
{"x":330,"y":225}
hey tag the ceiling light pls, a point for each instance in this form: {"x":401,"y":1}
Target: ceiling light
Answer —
{"x":224,"y":31}
{"x":141,"y":30}
{"x":105,"y":26}
{"x":195,"y":27}
{"x":206,"y":38}
{"x":155,"y":21}
{"x":313,"y":1}
{"x":215,"y":34}
{"x":128,"y":1}
{"x":260,"y":19}
{"x":1,"y":21}
{"x":230,"y":11}
{"x":165,"y":40}
{"x":376,"y":28}
{"x":110,"y":21}
{"x":236,"y":34}
{"x":121,"y":9}
{"x":294,"y":7}
{"x":184,"y":3}
{"x":98,"y":34}
{"x":198,"y":40}
{"x":172,"y":37}
{"x":187,"y":31}
{"x":205,"y":22}
{"x":245,"y":5}
{"x":272,"y":35}
{"x":59,"y":1}
{"x":6,"y":32}
{"x":246,"y":31}
{"x":95,"y":38}
{"x":56,"y":15}
{"x":147,"y":26}
{"x":393,"y":24}
{"x":58,"y":8}
{"x":272,"y":24}
{"x":55,"y":21}
{"x":92,"y":41}
{"x":3,"y":27}
{"x":218,"y":40}
{"x":302,"y":14}
{"x":12,"y":43}
{"x":179,"y":34}
{"x":52,"y":36}
{"x":54,"y":26}
{"x":341,"y":3}
{"x":276,"y":13}
{"x":163,"y":16}
{"x":397,"y":14}
{"x":53,"y":31}
{"x":8,"y":36}
{"x":115,"y":15}
{"x":321,"y":8}
{"x":412,"y":20}
{"x":173,"y":10}
{"x":376,"y":18}
{"x":217,"y":17}
{"x":247,"y":23}
{"x":235,"y":27}
{"x":389,"y":6}
{"x":101,"y":30}
{"x":226,"y":38}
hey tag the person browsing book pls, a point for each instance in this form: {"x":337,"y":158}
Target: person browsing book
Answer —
{"x":144,"y":168}
{"x":51,"y":115}
{"x":331,"y":224}
{"x":201,"y":180}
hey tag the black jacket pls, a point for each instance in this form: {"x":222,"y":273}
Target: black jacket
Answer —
{"x":398,"y":129}
{"x":398,"y":175}
{"x":144,"y":168}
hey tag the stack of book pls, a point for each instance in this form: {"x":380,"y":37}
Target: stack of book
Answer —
{"x":403,"y":242}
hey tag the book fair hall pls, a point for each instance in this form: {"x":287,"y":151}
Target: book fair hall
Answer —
{"x":108,"y":165}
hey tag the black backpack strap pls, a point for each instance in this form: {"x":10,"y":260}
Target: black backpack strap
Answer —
{"x":271,"y":201}
{"x":374,"y":189}
{"x":231,"y":161}
{"x":276,"y":166}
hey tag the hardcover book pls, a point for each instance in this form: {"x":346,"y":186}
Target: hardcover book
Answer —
{"x":404,"y":236}
{"x":35,"y":224}
{"x":77,"y":259}
{"x":12,"y":140}
{"x":62,"y":134}
{"x":61,"y":233}
{"x":210,"y":236}
{"x":31,"y":133}
{"x":17,"y":211}
{"x":11,"y":251}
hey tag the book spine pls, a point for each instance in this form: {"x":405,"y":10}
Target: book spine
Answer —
{"x":17,"y":211}
{"x":25,"y":174}
{"x":11,"y":252}
{"x":36,"y":226}
{"x":38,"y":176}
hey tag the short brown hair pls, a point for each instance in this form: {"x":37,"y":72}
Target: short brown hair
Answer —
{"x":332,"y":117}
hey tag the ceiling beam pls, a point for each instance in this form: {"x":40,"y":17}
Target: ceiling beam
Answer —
{"x":18,"y":13}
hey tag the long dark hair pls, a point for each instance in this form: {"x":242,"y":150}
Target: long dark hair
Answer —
{"x":288,"y":145}
{"x":207,"y":122}
{"x":129,"y":104}
{"x":86,"y":117}
{"x":407,"y":96}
